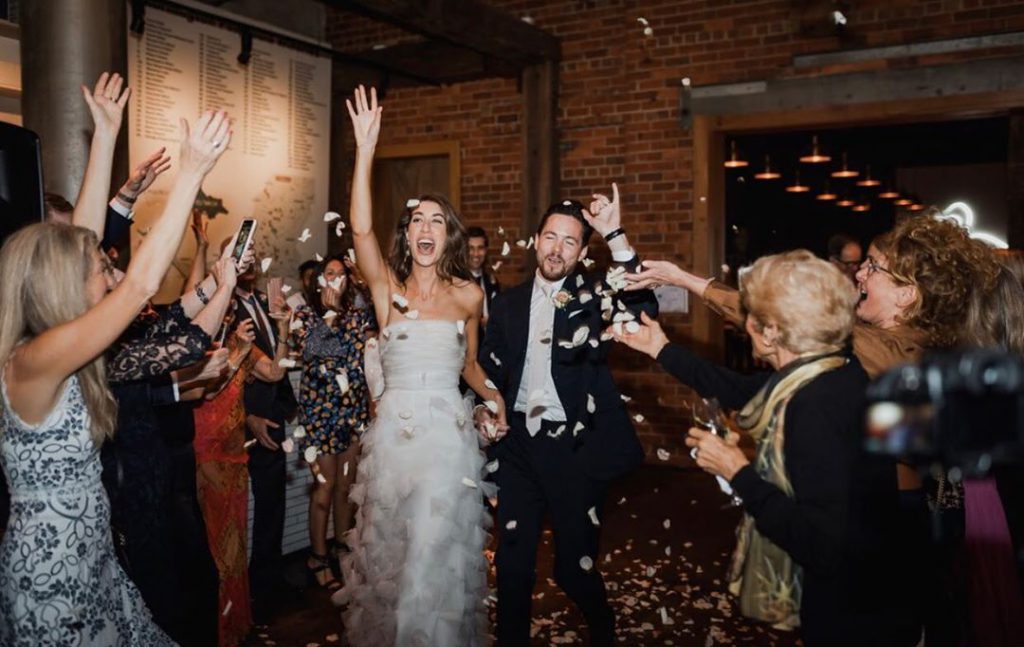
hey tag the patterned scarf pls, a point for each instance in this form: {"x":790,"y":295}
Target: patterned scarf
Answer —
{"x":763,"y":576}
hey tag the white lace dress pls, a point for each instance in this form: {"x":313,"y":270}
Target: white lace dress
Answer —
{"x":60,"y":582}
{"x":417,"y":573}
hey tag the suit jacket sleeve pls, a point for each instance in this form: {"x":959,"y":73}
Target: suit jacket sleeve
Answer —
{"x":732,"y":389}
{"x":493,"y":352}
{"x":116,"y":230}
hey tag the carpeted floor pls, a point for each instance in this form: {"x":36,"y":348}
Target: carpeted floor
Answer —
{"x":666,"y":540}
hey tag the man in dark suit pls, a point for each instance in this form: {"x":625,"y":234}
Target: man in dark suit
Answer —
{"x":569,"y":433}
{"x":477,"y":239}
{"x":267,"y":406}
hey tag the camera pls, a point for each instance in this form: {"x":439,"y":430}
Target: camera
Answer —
{"x":962,"y":410}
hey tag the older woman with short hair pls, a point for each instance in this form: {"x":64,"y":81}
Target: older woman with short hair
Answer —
{"x":816,"y":508}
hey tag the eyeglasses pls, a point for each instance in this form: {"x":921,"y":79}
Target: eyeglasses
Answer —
{"x":872,"y":266}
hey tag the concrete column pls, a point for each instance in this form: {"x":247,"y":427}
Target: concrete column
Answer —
{"x":64,"y":44}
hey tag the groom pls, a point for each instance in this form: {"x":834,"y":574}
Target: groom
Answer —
{"x":569,"y":433}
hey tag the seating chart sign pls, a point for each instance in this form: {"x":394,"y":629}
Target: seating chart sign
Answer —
{"x":276,"y":168}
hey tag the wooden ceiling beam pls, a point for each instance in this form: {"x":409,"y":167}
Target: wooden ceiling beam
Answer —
{"x":464,"y":23}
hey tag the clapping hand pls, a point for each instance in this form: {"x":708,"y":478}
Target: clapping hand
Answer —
{"x":203,"y":145}
{"x":106,"y":103}
{"x":365,"y":116}
{"x":604,"y":214}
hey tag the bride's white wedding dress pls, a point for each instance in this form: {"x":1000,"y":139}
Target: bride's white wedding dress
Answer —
{"x":417,"y":574}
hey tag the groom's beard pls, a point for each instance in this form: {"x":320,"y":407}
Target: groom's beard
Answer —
{"x":556,"y":271}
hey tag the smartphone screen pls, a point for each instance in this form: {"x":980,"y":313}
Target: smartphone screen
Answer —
{"x":244,"y":232}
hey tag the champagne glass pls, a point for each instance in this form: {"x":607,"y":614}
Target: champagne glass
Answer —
{"x":707,"y":415}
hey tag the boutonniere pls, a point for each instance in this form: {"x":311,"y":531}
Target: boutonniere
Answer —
{"x":562,"y":298}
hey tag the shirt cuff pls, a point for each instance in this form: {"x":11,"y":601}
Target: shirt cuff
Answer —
{"x":623,"y":255}
{"x":122,"y":210}
{"x":174,"y":388}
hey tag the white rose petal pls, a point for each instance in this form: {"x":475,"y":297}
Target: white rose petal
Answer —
{"x":585,"y":297}
{"x":578,"y":428}
{"x":579,"y":281}
{"x":344,"y":469}
{"x":310,"y":454}
{"x":299,"y":432}
{"x":460,"y":326}
{"x":606,"y":336}
{"x":321,"y":281}
{"x":331,"y":216}
{"x":566,"y":203}
{"x":592,"y":513}
{"x":639,"y":418}
{"x":288,"y":445}
{"x":408,"y":431}
{"x":491,"y":405}
{"x":399,"y":300}
{"x":342,"y":381}
{"x":412,"y":314}
{"x":494,"y":358}
{"x":668,"y":551}
{"x":412,"y":203}
{"x":650,"y":571}
{"x":405,"y":415}
{"x":468,"y":482}
{"x":227,"y":608}
{"x":330,"y":314}
{"x":594,"y":343}
{"x":591,"y":405}
{"x":521,"y":243}
{"x":352,"y":254}
{"x":335,"y":283}
{"x":490,"y":385}
{"x":305,"y":236}
{"x":339,"y":228}
{"x":511,"y":525}
{"x":492,"y":467}
{"x":331,"y":638}
{"x":265,"y":264}
{"x":557,"y":432}
{"x":249,"y":443}
{"x":580,"y":336}
{"x":529,"y":243}
{"x":667,"y":523}
{"x":506,"y":249}
{"x":587,"y":262}
{"x":624,"y":316}
{"x":625,"y":398}
{"x":663,"y":455}
{"x":295,"y":325}
{"x":632,"y":327}
{"x":617,"y":327}
{"x":318,"y":257}
{"x":586,"y":563}
{"x":286,"y":363}
{"x":496,"y":266}
{"x":285,"y":288}
{"x":320,"y":478}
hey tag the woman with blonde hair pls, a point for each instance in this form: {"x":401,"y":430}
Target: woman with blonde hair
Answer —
{"x":814,"y":532}
{"x":60,"y":582}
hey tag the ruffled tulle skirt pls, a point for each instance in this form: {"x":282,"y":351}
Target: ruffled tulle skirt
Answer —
{"x":416,"y":574}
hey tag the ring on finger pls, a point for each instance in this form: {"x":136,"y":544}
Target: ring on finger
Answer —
{"x":694,"y":452}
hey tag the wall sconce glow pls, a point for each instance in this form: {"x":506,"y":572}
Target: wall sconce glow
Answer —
{"x":962,"y":214}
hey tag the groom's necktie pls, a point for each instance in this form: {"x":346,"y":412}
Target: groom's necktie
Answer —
{"x":540,"y":358}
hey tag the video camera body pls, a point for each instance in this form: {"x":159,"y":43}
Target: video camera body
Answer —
{"x":962,"y":409}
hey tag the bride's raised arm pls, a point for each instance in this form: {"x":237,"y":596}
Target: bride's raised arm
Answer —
{"x":365,"y":114}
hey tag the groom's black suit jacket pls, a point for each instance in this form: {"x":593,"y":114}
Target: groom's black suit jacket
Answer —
{"x":607,"y":446}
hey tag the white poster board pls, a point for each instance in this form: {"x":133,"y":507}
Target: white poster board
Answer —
{"x":276,"y":168}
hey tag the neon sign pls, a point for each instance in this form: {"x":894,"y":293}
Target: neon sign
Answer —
{"x":962,"y":214}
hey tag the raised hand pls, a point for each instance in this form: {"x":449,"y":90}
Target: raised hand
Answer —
{"x":650,"y":339}
{"x":225,"y":273}
{"x":199,"y":226}
{"x":106,"y":103}
{"x":244,"y":334}
{"x":365,"y":117}
{"x":145,"y":174}
{"x":330,"y":297}
{"x":203,"y":145}
{"x":605,"y":216}
{"x":657,"y":273}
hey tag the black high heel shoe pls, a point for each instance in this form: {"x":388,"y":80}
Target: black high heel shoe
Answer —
{"x":321,"y":565}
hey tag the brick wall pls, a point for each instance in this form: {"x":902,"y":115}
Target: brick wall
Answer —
{"x":618,"y":117}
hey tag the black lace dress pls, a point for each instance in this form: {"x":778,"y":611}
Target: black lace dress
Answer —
{"x":138,"y":472}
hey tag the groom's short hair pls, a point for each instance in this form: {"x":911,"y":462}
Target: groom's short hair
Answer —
{"x":573,"y":209}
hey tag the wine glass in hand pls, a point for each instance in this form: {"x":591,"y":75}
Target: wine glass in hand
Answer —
{"x":707,"y":414}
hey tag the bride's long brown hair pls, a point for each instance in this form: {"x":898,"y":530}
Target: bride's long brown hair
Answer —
{"x":454,"y":260}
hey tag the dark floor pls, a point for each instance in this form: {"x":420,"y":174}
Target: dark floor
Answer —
{"x":667,"y":537}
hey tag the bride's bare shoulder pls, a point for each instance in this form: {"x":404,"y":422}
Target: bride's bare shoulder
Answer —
{"x":467,"y":292}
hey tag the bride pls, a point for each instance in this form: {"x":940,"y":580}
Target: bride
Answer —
{"x":416,"y":574}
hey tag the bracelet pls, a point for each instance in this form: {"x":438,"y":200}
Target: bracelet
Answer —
{"x":202,"y":295}
{"x":614,"y":234}
{"x":122,"y":196}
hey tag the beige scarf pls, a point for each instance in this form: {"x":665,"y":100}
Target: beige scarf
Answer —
{"x":763,"y":576}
